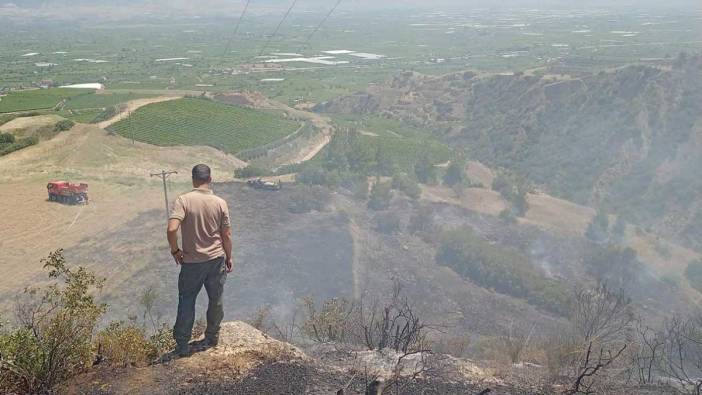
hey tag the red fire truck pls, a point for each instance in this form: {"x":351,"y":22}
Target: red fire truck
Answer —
{"x":68,"y":193}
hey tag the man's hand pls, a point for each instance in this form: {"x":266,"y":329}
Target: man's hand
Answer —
{"x":229,"y":264}
{"x":178,"y":256}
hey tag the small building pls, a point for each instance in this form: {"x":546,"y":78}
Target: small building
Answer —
{"x":92,"y":85}
{"x":46,"y":84}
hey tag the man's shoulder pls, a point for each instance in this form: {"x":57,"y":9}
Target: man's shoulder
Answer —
{"x":198,"y":196}
{"x":186,"y":195}
{"x":219,"y":199}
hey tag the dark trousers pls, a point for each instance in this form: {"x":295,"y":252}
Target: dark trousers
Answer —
{"x":212,"y":274}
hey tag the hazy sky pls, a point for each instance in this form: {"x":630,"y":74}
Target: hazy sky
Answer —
{"x":374,"y":3}
{"x":121,"y":9}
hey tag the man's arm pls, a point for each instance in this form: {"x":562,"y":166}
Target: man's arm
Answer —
{"x":225,"y":231}
{"x":174,"y":219}
{"x":227,"y":244}
{"x":172,"y":234}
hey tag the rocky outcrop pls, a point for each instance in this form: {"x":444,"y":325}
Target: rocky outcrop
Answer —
{"x":247,"y":361}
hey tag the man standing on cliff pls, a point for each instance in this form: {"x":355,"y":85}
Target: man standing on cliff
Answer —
{"x":205,"y":259}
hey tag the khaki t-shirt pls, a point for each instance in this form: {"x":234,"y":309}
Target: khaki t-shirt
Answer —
{"x":203,"y":217}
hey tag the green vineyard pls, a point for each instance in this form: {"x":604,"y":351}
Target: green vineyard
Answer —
{"x":38,"y":99}
{"x":192,"y":121}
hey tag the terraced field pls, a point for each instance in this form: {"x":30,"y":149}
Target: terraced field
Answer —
{"x":193,"y":121}
{"x":38,"y":99}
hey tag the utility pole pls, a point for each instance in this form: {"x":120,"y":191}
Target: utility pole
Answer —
{"x":130,"y":124}
{"x":164,"y":175}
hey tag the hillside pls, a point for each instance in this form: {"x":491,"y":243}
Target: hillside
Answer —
{"x":282,"y":256}
{"x":120,"y":188}
{"x":627,"y":140}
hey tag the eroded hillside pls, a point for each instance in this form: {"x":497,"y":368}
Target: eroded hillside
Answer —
{"x":626,"y":139}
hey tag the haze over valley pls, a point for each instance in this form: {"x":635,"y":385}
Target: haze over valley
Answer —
{"x":518,"y":183}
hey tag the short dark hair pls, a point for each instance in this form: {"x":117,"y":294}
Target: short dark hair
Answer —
{"x":201,"y":173}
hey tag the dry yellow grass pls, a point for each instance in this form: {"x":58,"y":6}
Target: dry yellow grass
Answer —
{"x":120,"y":188}
{"x":477,"y":171}
{"x":33,"y":122}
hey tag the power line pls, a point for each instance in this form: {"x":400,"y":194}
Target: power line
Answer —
{"x":306,"y":43}
{"x":164,"y":175}
{"x":277,"y":27}
{"x":236,"y":28}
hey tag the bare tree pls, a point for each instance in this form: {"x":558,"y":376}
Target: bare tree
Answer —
{"x":287,"y":331}
{"x":682,"y":353}
{"x":410,"y":365}
{"x":600,"y":314}
{"x":590,"y":366}
{"x":646,"y":357}
{"x":601,"y":323}
{"x":394,"y":325}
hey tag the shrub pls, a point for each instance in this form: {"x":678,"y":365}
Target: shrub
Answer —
{"x":18,"y":145}
{"x":63,"y":125}
{"x":387,"y":223}
{"x":332,"y":323}
{"x":308,"y":198}
{"x":422,"y":221}
{"x":251,"y":171}
{"x":360,"y":189}
{"x":406,"y":184}
{"x":125,"y":344}
{"x":455,"y":174}
{"x":598,"y":229}
{"x":380,"y":196}
{"x":7,"y":138}
{"x":619,"y":267}
{"x":56,"y":324}
{"x":513,"y":189}
{"x":162,"y":339}
{"x":425,"y":171}
{"x":503,"y":185}
{"x":6,"y":118}
{"x":314,"y":175}
{"x":507,"y":215}
{"x":520,"y":206}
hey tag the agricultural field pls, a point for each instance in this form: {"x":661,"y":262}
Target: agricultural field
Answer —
{"x":201,"y":54}
{"x":102,"y":100}
{"x":193,"y":121}
{"x":402,"y":143}
{"x":38,"y":99}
